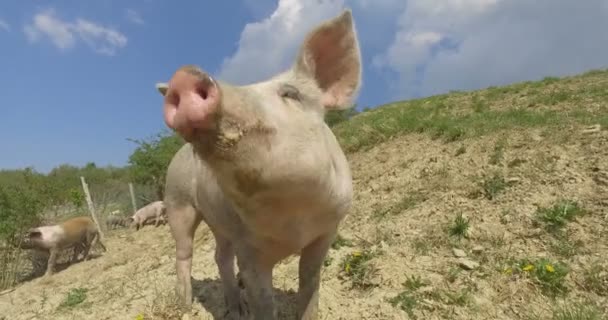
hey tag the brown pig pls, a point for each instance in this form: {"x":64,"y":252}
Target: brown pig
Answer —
{"x":152,"y":211}
{"x":81,"y":233}
{"x":262,"y":169}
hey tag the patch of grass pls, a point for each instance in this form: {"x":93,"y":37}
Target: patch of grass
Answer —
{"x":493,"y":185}
{"x":357,"y":267}
{"x":577,"y":311}
{"x":408,"y":201}
{"x":458,"y":298}
{"x":74,"y":297}
{"x":556,"y":217}
{"x":421,"y":246}
{"x":595,"y":278}
{"x":459,"y":227}
{"x":549,"y":275}
{"x":498,"y":153}
{"x":340,"y":242}
{"x":453,"y":274}
{"x":516,"y":162}
{"x":461,"y":150}
{"x":409,"y":299}
{"x":478,"y":104}
{"x":424,"y":116}
{"x":566,"y":247}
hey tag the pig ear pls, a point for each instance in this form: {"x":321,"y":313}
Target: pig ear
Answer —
{"x":162,"y":88}
{"x":331,"y":55}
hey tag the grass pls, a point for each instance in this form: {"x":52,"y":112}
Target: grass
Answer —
{"x":459,"y":227}
{"x":556,"y":217}
{"x":75,"y":297}
{"x":577,"y":311}
{"x":409,"y":299}
{"x":454,"y":117}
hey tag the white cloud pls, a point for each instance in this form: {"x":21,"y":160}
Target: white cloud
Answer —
{"x":446,"y":45}
{"x":134,"y":17}
{"x":4,"y":25}
{"x":64,"y":34}
{"x":269,"y":46}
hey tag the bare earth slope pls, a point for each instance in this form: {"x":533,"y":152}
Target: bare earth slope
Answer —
{"x":483,"y":205}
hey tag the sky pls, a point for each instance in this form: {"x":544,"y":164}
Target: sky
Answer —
{"x":77,"y":77}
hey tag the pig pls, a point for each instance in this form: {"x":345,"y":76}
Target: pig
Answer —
{"x":154,"y":210}
{"x":81,"y":233}
{"x":262,"y":169}
{"x":116,"y":221}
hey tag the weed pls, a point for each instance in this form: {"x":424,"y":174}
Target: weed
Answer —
{"x":549,"y":275}
{"x":358,"y":268}
{"x":493,"y":185}
{"x":74,"y":297}
{"x":459,"y":227}
{"x":557,"y":216}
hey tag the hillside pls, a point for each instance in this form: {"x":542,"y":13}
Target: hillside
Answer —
{"x":471,"y":205}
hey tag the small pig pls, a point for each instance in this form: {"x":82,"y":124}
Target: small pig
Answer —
{"x":154,"y":210}
{"x":114,"y":222}
{"x":81,"y":233}
{"x":262,"y":169}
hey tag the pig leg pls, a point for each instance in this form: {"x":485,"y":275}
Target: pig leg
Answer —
{"x":51,"y":262}
{"x":311,"y":261}
{"x":183,"y":223}
{"x":224,"y":258}
{"x":256,"y":273}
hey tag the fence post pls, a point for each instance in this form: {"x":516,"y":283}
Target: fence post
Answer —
{"x":133,"y":203}
{"x":87,"y":194}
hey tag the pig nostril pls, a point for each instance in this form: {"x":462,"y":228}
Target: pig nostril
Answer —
{"x":203,"y":92}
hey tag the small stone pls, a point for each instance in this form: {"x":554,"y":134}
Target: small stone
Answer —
{"x":459,"y":253}
{"x":477,"y":249}
{"x":468,"y":264}
{"x":513,"y":180}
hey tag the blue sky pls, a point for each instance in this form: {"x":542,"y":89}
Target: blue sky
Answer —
{"x":78,"y":77}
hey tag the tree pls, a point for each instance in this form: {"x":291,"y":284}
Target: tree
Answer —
{"x":149,"y":161}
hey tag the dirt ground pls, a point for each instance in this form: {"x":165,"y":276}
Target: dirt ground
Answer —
{"x":409,"y":190}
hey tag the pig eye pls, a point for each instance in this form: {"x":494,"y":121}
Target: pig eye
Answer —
{"x":290,"y":92}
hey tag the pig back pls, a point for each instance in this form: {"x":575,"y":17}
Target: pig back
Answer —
{"x":76,"y":229}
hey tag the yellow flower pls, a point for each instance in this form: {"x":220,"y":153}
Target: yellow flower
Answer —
{"x":347,"y":268}
{"x":508,"y":270}
{"x":528,"y":267}
{"x":549,"y":268}
{"x":356,"y":254}
{"x":139,"y":317}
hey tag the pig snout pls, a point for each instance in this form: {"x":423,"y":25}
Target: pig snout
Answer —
{"x":191,"y":101}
